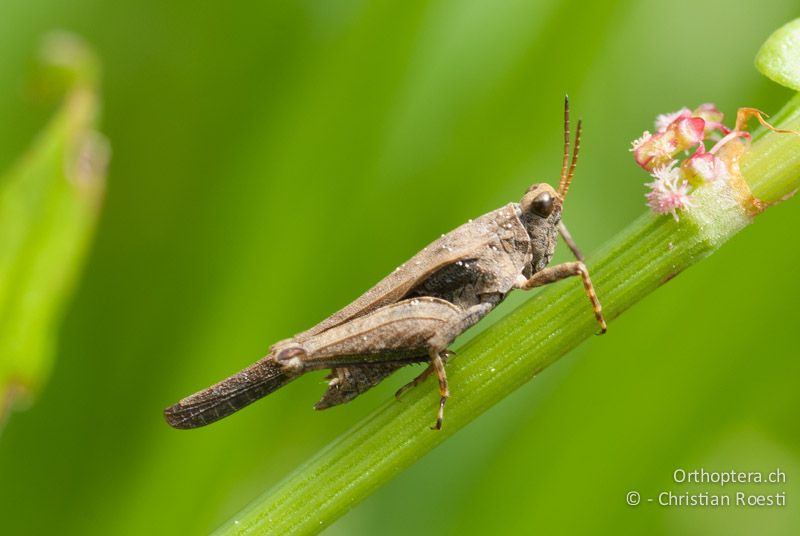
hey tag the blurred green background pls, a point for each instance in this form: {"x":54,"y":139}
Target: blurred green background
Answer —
{"x":272,"y":160}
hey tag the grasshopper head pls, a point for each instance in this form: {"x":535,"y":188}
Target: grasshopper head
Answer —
{"x":540,"y":212}
{"x":540,"y":204}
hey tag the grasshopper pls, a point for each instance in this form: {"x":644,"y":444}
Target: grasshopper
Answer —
{"x":415,"y":313}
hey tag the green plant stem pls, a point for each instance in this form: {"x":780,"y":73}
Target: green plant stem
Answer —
{"x":651,"y":251}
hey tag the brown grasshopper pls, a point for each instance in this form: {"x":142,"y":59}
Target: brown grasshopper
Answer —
{"x":416,"y":312}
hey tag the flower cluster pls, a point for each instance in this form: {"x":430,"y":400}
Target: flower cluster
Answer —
{"x":678,"y":133}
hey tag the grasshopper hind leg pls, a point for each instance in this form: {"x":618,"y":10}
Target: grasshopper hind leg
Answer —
{"x":444,"y":393}
{"x":439,"y":353}
{"x":364,"y":351}
{"x":437,"y":365}
{"x":421,"y":377}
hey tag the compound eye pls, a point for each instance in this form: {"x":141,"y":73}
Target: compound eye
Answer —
{"x":542,"y":205}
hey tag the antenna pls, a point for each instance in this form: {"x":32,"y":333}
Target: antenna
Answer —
{"x":565,"y":162}
{"x":567,"y":173}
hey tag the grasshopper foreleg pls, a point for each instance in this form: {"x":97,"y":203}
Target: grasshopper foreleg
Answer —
{"x":573,"y":247}
{"x":563,"y":271}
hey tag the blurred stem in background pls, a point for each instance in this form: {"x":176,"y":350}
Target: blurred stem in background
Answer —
{"x":49,"y":204}
{"x":650,"y":252}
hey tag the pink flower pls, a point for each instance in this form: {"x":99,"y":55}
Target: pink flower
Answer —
{"x":669,"y":192}
{"x":652,"y":150}
{"x":660,"y":148}
{"x":638,"y":142}
{"x":689,"y":131}
{"x":665,"y":120}
{"x":703,"y":167}
{"x":712,"y":116}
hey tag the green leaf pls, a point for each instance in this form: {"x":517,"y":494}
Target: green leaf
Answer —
{"x":779,"y":57}
{"x":49,"y":203}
